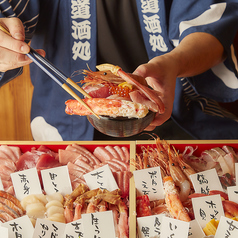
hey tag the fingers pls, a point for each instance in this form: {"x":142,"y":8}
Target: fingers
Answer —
{"x":159,"y":120}
{"x":13,"y":49}
{"x":14,"y":41}
{"x":11,"y":60}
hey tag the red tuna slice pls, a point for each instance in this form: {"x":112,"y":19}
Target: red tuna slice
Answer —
{"x":79,"y":170}
{"x":113,"y":151}
{"x":126,"y":153}
{"x":87,"y":153}
{"x":27,"y":160}
{"x":113,"y":167}
{"x":120,"y":152}
{"x":123,"y":181}
{"x":102,"y":154}
{"x":45,"y":149}
{"x":102,"y":92}
{"x":66,"y":156}
{"x":84,"y":165}
{"x":47,"y":161}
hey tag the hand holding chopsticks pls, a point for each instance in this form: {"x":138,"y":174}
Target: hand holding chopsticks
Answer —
{"x":55,"y":74}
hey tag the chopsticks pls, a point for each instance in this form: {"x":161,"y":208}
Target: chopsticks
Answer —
{"x":55,"y":74}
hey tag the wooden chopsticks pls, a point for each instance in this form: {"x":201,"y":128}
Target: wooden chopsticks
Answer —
{"x":55,"y":74}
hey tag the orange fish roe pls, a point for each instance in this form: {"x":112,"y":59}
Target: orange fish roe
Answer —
{"x":122,"y":91}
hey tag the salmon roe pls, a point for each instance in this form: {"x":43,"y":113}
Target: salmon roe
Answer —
{"x":120,"y":91}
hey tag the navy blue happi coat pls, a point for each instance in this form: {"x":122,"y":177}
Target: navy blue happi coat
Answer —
{"x":67,"y":31}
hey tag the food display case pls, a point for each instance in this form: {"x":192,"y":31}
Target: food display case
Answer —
{"x":135,"y":148}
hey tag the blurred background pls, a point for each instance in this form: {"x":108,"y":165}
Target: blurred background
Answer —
{"x":15,"y":98}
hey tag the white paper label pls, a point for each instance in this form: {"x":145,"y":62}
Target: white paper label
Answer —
{"x":74,"y":229}
{"x":56,"y":180}
{"x":233,"y":193}
{"x":47,"y":228}
{"x":205,"y":181}
{"x":150,"y":226}
{"x":227,"y":228}
{"x":174,"y":228}
{"x":207,"y":208}
{"x":149,"y":182}
{"x":4,"y":232}
{"x":101,"y":178}
{"x":195,"y":230}
{"x":26,"y":182}
{"x":99,"y":224}
{"x":20,"y":227}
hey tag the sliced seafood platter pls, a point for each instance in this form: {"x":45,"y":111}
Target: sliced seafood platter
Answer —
{"x":151,"y":188}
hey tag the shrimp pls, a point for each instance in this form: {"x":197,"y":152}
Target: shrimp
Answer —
{"x":143,"y":206}
{"x":187,"y":169}
{"x":173,"y":201}
{"x":81,"y":189}
{"x":179,"y":178}
{"x":107,"y":107}
{"x":69,"y":206}
{"x":79,"y":202}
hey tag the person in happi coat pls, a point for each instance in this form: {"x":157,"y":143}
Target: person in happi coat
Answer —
{"x":183,"y":48}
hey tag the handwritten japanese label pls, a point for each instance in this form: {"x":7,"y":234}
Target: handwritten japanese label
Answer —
{"x":227,"y":228}
{"x":81,"y":26}
{"x":149,"y":182}
{"x":173,"y":228}
{"x":20,"y":227}
{"x":26,"y":182}
{"x":101,"y":178}
{"x":207,"y":208}
{"x":56,"y":180}
{"x":149,"y":226}
{"x":98,"y":225}
{"x":205,"y":181}
{"x":4,"y":232}
{"x":195,"y":230}
{"x":233,"y":193}
{"x":46,"y":228}
{"x":74,"y":229}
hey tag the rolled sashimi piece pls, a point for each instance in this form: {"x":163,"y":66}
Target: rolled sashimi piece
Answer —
{"x":107,"y":107}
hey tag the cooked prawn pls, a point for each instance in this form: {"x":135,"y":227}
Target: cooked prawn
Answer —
{"x":173,"y":201}
{"x":179,"y":177}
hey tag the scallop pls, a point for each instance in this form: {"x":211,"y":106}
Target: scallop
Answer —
{"x":41,"y":198}
{"x":32,"y":198}
{"x":54,"y":209}
{"x":36,"y":210}
{"x":55,"y":196}
{"x":56,"y":203}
